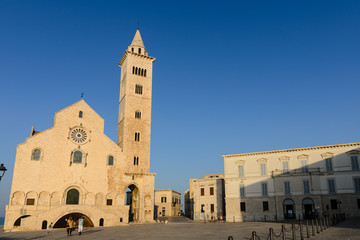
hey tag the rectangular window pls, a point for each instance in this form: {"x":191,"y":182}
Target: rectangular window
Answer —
{"x":354,"y":163}
{"x":265,"y":206}
{"x":30,"y":201}
{"x":264,"y":189}
{"x":241,"y":170}
{"x":136,"y":160}
{"x":358,"y":202}
{"x":333,"y":203}
{"x":202,"y":191}
{"x":242,"y":190}
{"x":212,"y":208}
{"x":285,"y":165}
{"x":306,"y":186}
{"x":109,"y":202}
{"x":211,"y":190}
{"x":242,"y":207}
{"x":202,"y":208}
{"x":328,"y":163}
{"x":163,"y":199}
{"x":357,"y":184}
{"x":263,"y":169}
{"x":331,"y":186}
{"x":304,"y":167}
{"x":287,"y":188}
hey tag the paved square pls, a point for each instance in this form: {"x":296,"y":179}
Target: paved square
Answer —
{"x":348,"y":230}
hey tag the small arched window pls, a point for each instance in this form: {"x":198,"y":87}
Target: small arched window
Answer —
{"x":139,"y":50}
{"x":77,"y":157}
{"x":138,"y":89}
{"x":110,"y":161}
{"x":36,"y":155}
{"x":132,"y":49}
{"x":145,"y":73}
{"x":142,"y":72}
{"x":138,"y":114}
{"x":81,"y":114}
{"x":72,"y":196}
{"x":136,"y":70}
{"x":133,"y":70}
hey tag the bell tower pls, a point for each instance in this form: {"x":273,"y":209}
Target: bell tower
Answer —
{"x":134,"y":125}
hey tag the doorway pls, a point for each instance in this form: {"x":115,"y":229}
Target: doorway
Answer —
{"x":132,"y":200}
{"x":289,"y":209}
{"x":308,"y":208}
{"x":61,"y":223}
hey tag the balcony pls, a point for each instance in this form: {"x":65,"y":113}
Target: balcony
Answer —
{"x":296,"y":172}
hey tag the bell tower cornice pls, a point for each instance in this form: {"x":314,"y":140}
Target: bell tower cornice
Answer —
{"x":127,"y":53}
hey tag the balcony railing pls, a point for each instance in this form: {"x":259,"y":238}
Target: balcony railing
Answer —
{"x":298,"y":171}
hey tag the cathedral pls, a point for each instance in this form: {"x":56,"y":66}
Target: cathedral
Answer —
{"x":73,"y":169}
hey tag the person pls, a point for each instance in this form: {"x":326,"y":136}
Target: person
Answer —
{"x":69,"y":226}
{"x":316,"y":213}
{"x":80,"y":224}
{"x":50,"y":227}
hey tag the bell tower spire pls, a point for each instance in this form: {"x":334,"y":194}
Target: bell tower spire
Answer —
{"x":134,"y":123}
{"x":137,"y":45}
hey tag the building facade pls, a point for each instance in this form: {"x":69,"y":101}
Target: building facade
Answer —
{"x":167,"y":203}
{"x":74,"y":169}
{"x":292,"y":183}
{"x":205,"y":198}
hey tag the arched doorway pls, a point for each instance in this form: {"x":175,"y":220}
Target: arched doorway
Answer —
{"x":289,"y":209}
{"x":61,"y":223}
{"x":17,"y":223}
{"x":132,"y":199}
{"x":44,"y":224}
{"x":308,"y":208}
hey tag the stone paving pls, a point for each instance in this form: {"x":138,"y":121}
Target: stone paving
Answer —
{"x":347,"y":230}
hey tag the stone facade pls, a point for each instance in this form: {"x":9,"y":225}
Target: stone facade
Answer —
{"x":167,"y":203}
{"x":205,"y":198}
{"x":74,"y":169}
{"x":300,"y":182}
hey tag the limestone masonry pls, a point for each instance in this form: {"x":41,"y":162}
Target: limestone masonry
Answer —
{"x":74,"y":169}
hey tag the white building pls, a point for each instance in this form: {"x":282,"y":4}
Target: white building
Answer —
{"x":205,"y":198}
{"x":289,"y":183}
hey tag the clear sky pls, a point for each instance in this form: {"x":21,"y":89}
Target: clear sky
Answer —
{"x":230,"y":76}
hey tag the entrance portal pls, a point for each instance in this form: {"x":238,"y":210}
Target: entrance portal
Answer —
{"x":132,"y":199}
{"x":308,"y":208}
{"x":61,"y":223}
{"x":289,"y":209}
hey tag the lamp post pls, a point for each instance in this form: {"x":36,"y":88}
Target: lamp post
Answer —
{"x":3,"y":170}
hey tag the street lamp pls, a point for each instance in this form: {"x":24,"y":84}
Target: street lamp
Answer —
{"x":3,"y":170}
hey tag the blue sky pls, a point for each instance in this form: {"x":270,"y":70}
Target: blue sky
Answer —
{"x":230,"y":76}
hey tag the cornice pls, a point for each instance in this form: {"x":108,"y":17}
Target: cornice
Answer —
{"x":135,"y":54}
{"x":139,"y":174}
{"x":355,"y":144}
